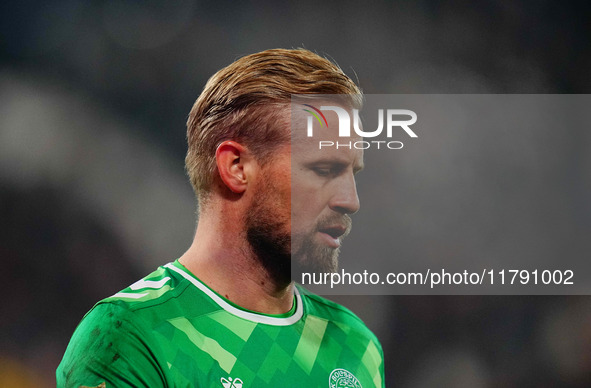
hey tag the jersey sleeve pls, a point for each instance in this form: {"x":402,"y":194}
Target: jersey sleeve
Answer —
{"x":109,"y":347}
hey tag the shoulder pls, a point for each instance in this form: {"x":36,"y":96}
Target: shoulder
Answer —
{"x":336,"y":313}
{"x":120,"y":339}
{"x":108,"y":346}
{"x":351,"y":333}
{"x":154,"y":289}
{"x":164,"y":294}
{"x":103,"y":329}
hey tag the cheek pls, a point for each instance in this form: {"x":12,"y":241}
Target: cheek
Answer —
{"x":304,"y":211}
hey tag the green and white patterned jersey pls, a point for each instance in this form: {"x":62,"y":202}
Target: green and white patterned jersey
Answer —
{"x":171,"y":330}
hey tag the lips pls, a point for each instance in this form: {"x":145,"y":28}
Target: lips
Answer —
{"x":333,"y":228}
{"x":334,"y":231}
{"x":331,"y":234}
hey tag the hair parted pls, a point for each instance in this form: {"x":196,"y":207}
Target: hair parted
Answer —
{"x":249,"y":101}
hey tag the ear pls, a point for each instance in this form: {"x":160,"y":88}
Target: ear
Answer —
{"x":233,"y":161}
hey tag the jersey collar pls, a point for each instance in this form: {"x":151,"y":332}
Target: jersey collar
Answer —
{"x":239,"y":312}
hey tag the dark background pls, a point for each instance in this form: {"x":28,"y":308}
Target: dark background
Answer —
{"x":94,"y":96}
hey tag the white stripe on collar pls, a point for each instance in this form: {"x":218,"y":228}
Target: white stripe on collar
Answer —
{"x":254,"y":317}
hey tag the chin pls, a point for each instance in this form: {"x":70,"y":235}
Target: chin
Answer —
{"x":315,"y":257}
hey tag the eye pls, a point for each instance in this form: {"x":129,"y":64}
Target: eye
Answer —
{"x":328,"y":170}
{"x":322,"y":171}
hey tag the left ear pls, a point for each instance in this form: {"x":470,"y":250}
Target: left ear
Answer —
{"x":234,"y":165}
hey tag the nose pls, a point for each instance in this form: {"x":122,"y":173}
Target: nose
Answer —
{"x":345,"y":199}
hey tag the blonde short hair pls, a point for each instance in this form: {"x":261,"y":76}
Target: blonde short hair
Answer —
{"x":247,"y":101}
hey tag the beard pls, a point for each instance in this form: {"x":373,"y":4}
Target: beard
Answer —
{"x":310,"y":256}
{"x":268,"y":234}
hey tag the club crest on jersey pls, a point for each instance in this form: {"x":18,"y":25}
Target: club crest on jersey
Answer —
{"x":229,"y":383}
{"x":342,"y":378}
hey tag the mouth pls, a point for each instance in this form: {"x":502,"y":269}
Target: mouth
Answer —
{"x":332,"y":234}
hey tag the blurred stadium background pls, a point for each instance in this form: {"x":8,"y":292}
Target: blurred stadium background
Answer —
{"x":93,"y":102}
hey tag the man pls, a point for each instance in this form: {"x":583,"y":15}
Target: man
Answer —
{"x":227,"y":313}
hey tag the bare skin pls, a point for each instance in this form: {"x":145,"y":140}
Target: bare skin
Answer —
{"x":220,"y":255}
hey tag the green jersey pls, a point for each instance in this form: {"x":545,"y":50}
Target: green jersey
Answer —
{"x":171,"y":330}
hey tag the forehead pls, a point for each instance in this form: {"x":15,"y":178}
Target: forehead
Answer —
{"x":324,"y":144}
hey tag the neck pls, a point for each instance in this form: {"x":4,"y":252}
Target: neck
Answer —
{"x":221,"y":257}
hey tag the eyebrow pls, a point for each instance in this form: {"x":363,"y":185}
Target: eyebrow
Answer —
{"x":356,"y":168}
